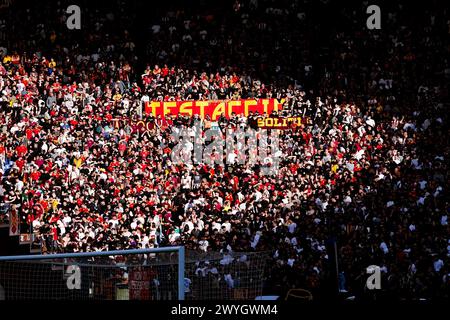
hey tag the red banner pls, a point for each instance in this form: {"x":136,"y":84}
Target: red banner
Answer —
{"x":213,"y":108}
{"x":139,"y":282}
{"x":14,"y":223}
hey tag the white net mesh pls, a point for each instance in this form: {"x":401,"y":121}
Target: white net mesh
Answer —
{"x":231,"y":276}
{"x":151,"y":276}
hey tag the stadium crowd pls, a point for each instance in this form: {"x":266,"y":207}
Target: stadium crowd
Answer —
{"x":370,"y":170}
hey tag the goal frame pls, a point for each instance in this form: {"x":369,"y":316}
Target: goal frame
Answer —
{"x":179,"y":249}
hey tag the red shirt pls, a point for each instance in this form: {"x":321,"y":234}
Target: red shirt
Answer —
{"x":21,"y":150}
{"x":20,"y":163}
{"x":55,"y":233}
{"x":49,"y":166}
{"x":122,"y":147}
{"x":29,"y":134}
{"x":307,"y":137}
{"x":35,"y":175}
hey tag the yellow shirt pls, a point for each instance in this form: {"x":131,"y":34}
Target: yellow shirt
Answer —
{"x":55,"y":204}
{"x":77,"y":162}
{"x":380,"y":108}
{"x":334,"y":168}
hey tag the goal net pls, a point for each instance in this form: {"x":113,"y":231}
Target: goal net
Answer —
{"x":144,"y":274}
{"x":225,"y":276}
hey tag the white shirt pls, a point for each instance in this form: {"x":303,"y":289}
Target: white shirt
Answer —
{"x":187,"y":283}
{"x":438,"y":264}
{"x":200,"y":225}
{"x":190,"y":226}
{"x":231,"y":158}
{"x":156,"y":28}
{"x":422,"y":184}
{"x":114,"y":222}
{"x":255,"y":240}
{"x":227,"y":226}
{"x":67,"y":220}
{"x":19,"y":185}
{"x":203,"y":245}
{"x":292,"y":227}
{"x":216,"y":226}
{"x":384,"y":247}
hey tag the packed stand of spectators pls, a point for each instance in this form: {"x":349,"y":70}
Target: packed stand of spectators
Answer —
{"x":370,"y":171}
